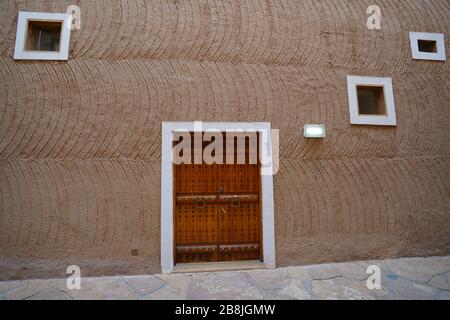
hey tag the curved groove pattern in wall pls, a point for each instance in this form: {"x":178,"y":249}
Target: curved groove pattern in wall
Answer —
{"x":80,"y":141}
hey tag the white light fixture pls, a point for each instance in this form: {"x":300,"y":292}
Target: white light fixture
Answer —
{"x":314,"y":131}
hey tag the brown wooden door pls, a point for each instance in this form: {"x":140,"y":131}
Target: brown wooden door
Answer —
{"x":218,"y":211}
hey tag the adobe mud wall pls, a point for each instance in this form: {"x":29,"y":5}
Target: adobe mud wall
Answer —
{"x":80,"y":141}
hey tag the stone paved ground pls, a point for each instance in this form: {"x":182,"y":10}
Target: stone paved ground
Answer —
{"x":408,"y":278}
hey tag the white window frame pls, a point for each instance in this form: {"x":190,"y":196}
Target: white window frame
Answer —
{"x":167,"y":186}
{"x":22,"y":28}
{"x":389,"y":119}
{"x":440,"y":55}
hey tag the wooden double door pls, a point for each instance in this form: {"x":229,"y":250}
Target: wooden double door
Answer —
{"x":218,"y":210}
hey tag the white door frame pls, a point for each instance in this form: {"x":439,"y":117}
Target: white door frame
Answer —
{"x":167,"y":185}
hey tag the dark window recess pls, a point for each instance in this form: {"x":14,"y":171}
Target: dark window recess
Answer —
{"x":371,"y":100}
{"x":43,"y":36}
{"x":427,"y":46}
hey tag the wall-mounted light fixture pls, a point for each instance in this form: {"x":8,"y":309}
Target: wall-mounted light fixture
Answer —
{"x":314,"y":131}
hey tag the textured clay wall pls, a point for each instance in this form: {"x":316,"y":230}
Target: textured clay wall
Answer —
{"x":80,"y":141}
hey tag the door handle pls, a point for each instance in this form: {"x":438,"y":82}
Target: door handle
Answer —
{"x":223,"y":210}
{"x":236,"y":202}
{"x":200,"y":204}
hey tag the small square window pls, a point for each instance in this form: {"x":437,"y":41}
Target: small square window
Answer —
{"x":42,"y":36}
{"x":371,"y":101}
{"x":427,"y":46}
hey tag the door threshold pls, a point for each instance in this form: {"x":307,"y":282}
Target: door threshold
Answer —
{"x":218,"y":266}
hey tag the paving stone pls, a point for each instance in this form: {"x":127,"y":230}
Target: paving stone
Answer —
{"x":144,"y":285}
{"x":443,"y":295}
{"x":295,"y":289}
{"x":341,"y":289}
{"x":418,"y":269}
{"x":299,"y":273}
{"x":269,"y":283}
{"x":441,"y":281}
{"x":410,"y":278}
{"x":20,"y":292}
{"x":426,"y":289}
{"x":176,"y":288}
{"x":271,"y":279}
{"x":337,"y":270}
{"x":29,"y":288}
{"x":226,"y":286}
{"x":405,"y":289}
{"x":8,"y":286}
{"x":50,"y":294}
{"x":107,"y":288}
